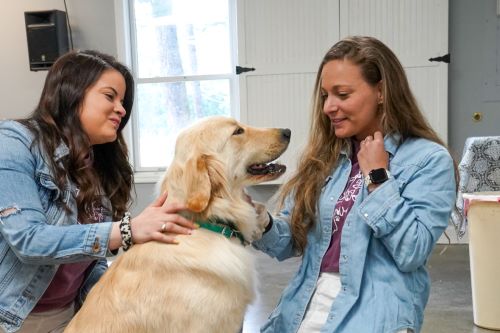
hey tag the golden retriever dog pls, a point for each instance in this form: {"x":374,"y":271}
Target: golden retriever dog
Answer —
{"x":204,"y":283}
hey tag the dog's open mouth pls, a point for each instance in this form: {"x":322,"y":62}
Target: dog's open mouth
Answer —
{"x":264,"y":169}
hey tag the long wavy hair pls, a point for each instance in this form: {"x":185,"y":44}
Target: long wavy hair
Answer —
{"x":97,"y":170}
{"x":400,"y":114}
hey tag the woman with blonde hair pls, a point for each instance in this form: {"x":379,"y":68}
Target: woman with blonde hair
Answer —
{"x":372,"y":194}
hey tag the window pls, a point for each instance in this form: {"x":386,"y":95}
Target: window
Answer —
{"x":187,"y":74}
{"x":182,"y":59}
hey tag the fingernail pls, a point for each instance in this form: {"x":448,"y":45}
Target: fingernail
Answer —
{"x":176,"y":241}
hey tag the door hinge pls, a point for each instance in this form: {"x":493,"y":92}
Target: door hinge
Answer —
{"x":445,"y":58}
{"x":240,"y":70}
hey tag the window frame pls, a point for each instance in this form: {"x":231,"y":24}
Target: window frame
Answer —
{"x":125,"y":27}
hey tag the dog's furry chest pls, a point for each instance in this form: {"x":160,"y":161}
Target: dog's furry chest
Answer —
{"x":206,"y":274}
{"x":212,"y":253}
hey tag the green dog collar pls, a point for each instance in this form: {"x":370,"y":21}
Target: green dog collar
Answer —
{"x":223,"y":227}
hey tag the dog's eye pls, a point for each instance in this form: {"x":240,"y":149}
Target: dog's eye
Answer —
{"x":239,"y":131}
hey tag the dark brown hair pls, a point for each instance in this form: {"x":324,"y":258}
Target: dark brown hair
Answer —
{"x":98,"y":170}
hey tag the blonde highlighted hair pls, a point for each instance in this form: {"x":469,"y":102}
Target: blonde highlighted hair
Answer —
{"x":400,"y":114}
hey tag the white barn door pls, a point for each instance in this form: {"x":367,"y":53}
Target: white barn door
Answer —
{"x":285,"y":40}
{"x":416,"y":30}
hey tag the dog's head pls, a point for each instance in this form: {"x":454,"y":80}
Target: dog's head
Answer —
{"x":216,"y":158}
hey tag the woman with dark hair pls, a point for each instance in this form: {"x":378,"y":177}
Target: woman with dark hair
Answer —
{"x":65,"y":176}
{"x":372,"y":194}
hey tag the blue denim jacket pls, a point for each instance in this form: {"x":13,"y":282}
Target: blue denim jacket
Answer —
{"x":386,"y":241}
{"x":36,"y":235}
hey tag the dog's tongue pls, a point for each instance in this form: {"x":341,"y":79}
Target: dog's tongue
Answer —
{"x":259,"y":166}
{"x":258,"y":169}
{"x":263,"y":168}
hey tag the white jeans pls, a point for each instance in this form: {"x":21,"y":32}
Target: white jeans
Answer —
{"x":54,"y":321}
{"x":317,"y":311}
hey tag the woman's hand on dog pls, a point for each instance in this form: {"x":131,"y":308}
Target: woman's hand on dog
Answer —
{"x":159,"y":221}
{"x":263,"y":218}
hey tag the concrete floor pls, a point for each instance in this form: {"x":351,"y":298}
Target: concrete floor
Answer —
{"x":450,"y":305}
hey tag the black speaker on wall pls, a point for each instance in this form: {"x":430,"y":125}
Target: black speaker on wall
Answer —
{"x":47,"y":34}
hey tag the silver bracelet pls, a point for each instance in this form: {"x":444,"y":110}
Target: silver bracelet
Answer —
{"x":126,"y":232}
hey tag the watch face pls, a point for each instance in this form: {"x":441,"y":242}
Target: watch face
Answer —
{"x":378,"y":176}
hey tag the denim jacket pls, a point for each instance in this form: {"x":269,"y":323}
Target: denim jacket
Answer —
{"x":386,"y":241}
{"x":36,"y":234}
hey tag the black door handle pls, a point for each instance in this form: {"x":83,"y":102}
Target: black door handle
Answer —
{"x":240,"y":70}
{"x":445,"y":58}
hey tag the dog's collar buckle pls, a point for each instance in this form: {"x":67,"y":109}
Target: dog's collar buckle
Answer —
{"x":225,"y":228}
{"x":228,"y":232}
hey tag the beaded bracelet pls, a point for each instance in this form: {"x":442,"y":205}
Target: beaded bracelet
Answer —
{"x":126,"y":232}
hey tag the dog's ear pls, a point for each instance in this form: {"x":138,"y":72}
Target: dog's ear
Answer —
{"x":217,"y":176}
{"x":197,"y":183}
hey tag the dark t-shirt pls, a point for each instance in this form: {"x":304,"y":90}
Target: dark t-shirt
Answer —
{"x":66,"y":284}
{"x":330,"y":262}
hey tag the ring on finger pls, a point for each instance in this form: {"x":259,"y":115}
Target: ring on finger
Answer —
{"x":163,"y":227}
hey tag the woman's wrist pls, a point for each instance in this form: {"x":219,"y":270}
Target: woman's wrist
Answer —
{"x":373,"y":187}
{"x":115,"y":238}
{"x":126,"y":232}
{"x":269,"y":224}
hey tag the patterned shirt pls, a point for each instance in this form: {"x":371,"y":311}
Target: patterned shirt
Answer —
{"x":330,"y":262}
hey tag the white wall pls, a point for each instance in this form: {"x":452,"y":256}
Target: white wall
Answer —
{"x":93,"y":26}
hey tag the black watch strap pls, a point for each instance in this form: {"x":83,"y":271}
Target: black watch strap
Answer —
{"x":377,"y":176}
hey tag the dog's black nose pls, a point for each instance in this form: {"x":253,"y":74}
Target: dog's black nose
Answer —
{"x":286,"y":134}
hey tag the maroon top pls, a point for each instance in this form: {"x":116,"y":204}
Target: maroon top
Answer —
{"x":344,"y":204}
{"x":65,"y":285}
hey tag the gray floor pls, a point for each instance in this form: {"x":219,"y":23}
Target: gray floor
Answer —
{"x":450,"y":305}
